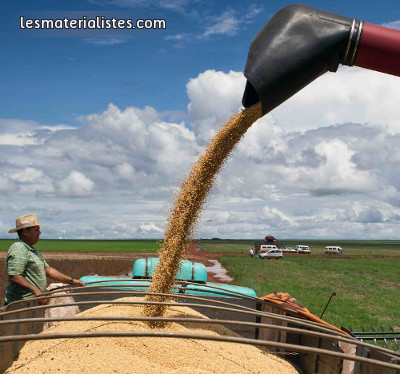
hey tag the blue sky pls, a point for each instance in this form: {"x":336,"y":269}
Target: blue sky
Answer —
{"x":56,"y":79}
{"x":98,"y":128}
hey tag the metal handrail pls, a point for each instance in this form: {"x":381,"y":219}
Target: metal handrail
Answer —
{"x":233,"y":307}
{"x":223,"y":306}
{"x":376,"y":336}
{"x":231,"y":339}
{"x":196,"y":320}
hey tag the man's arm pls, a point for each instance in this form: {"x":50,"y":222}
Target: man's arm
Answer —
{"x":20,"y":281}
{"x":58,"y":276}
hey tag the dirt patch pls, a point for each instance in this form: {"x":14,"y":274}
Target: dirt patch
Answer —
{"x":219,"y":272}
{"x":214,"y":273}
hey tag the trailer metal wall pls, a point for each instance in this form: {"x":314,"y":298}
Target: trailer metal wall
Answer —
{"x":309,"y":363}
{"x":9,"y":351}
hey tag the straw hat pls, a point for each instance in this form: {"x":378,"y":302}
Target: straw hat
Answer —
{"x":28,"y":220}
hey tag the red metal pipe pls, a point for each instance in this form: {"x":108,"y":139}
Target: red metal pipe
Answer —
{"x":379,"y":49}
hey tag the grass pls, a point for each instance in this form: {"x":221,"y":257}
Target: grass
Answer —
{"x":226,"y":246}
{"x":367,"y":289}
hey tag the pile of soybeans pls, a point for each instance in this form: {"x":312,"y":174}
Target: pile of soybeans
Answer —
{"x":143,"y":354}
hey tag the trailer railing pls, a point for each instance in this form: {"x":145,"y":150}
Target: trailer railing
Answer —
{"x":390,"y":339}
{"x":313,"y":347}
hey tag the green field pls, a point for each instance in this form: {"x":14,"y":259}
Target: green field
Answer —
{"x":118,"y":246}
{"x":367,"y":289}
{"x":351,"y":247}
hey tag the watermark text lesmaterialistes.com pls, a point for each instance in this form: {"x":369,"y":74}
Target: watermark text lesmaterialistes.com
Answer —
{"x":96,"y":23}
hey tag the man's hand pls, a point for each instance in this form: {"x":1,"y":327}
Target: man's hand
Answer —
{"x":42,"y":301}
{"x":78,"y":283}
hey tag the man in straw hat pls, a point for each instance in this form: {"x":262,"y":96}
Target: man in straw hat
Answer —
{"x":27,"y":269}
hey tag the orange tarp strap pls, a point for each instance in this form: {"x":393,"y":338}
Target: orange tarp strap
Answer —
{"x":296,"y":309}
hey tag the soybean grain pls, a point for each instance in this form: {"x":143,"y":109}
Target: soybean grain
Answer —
{"x":189,"y":202}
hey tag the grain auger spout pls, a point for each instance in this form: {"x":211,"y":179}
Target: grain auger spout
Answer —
{"x":300,"y":43}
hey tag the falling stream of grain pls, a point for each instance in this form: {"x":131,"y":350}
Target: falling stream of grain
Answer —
{"x":188,"y":203}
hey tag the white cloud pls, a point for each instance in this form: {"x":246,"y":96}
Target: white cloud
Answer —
{"x":176,"y":37}
{"x":151,"y":229}
{"x":174,"y":5}
{"x":76,"y":184}
{"x":214,"y":97}
{"x":125,"y":172}
{"x":275,"y":218}
{"x":337,"y":177}
{"x":348,"y":215}
{"x":32,"y":181}
{"x":6,"y":184}
{"x":28,"y":175}
{"x":338,"y":173}
{"x":252,"y":11}
{"x":16,"y":126}
{"x":21,"y":139}
{"x":392,"y":25}
{"x":19,"y":133}
{"x":105,"y":41}
{"x":226,"y":23}
{"x":333,"y":163}
{"x":370,"y":215}
{"x":350,"y":95}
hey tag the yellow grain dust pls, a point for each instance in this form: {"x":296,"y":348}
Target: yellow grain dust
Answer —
{"x":188,"y":203}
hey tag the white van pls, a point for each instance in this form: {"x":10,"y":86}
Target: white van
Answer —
{"x":333,"y":249}
{"x":267,"y":247}
{"x":302,"y":249}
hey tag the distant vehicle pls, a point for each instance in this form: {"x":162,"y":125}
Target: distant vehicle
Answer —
{"x":272,"y":253}
{"x":333,"y":249}
{"x":289,"y":250}
{"x":303,"y":249}
{"x":267,"y":247}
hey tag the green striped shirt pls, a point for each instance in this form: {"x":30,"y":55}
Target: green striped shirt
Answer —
{"x":28,"y":262}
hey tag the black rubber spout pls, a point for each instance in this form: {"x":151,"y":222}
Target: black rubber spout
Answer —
{"x":295,"y":47}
